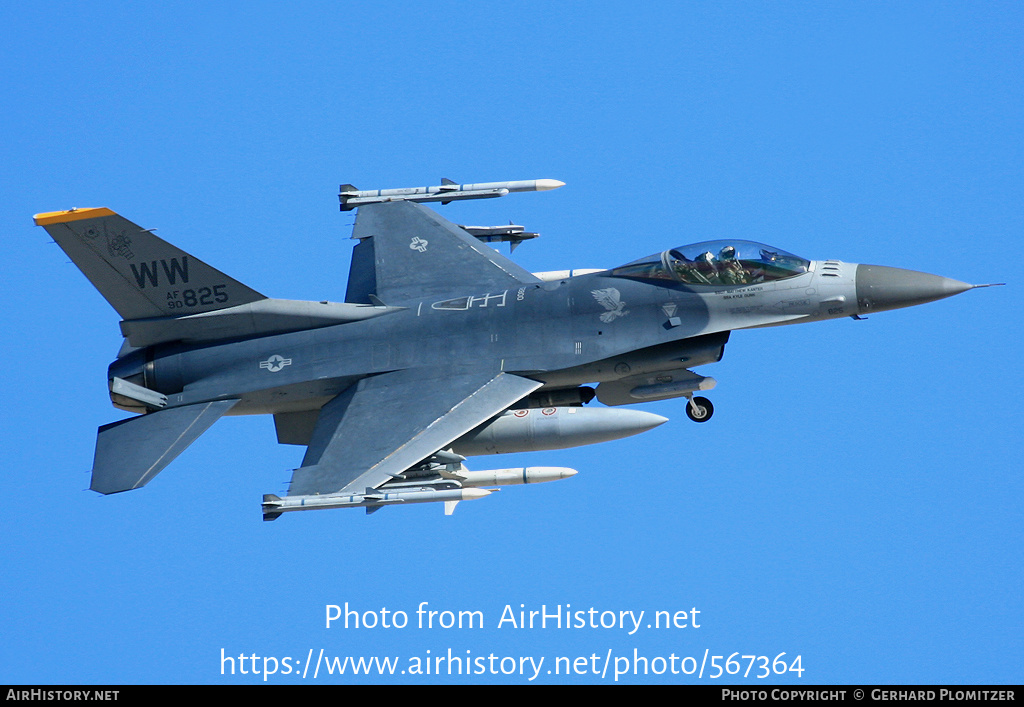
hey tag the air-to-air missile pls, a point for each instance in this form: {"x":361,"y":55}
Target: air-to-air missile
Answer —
{"x":371,"y":500}
{"x":447,"y":191}
{"x":446,"y":484}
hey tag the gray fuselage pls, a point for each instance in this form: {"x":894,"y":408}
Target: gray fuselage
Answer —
{"x":557,"y":332}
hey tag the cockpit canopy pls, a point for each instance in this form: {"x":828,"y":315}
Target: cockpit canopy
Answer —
{"x":716,"y":263}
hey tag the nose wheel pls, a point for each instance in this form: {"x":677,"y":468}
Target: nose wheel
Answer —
{"x":699,"y":409}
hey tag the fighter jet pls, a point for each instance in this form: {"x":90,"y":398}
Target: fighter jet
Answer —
{"x":443,"y":348}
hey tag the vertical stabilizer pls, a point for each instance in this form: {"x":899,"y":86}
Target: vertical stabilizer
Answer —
{"x":139,"y":274}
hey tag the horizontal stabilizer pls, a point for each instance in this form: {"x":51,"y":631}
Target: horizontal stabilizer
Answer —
{"x":129,"y":453}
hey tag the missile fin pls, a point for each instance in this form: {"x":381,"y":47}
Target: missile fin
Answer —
{"x":448,"y":457}
{"x":270,"y":501}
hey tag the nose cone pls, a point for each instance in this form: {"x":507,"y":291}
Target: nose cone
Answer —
{"x":880,"y":288}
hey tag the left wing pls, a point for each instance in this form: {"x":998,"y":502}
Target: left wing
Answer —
{"x":408,"y":252}
{"x":385,"y":424}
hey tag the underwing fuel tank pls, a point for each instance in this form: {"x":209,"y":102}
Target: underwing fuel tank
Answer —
{"x":538,"y":429}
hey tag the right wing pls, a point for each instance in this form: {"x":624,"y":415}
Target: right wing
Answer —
{"x":385,"y":424}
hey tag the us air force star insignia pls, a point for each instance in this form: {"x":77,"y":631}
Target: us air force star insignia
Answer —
{"x":419,"y":244}
{"x":609,"y":298}
{"x":275,"y":363}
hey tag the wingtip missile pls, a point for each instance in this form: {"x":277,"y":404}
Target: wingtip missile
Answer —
{"x":548,"y":184}
{"x":446,"y":192}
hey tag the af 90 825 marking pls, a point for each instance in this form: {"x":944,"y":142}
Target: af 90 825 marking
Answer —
{"x":203,"y":296}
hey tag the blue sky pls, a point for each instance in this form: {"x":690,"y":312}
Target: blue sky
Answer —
{"x":856,"y":501}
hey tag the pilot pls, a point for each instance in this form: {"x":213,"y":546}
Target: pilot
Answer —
{"x":731,"y":271}
{"x":707,"y":268}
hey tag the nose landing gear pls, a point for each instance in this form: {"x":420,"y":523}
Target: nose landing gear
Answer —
{"x":699,"y":409}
